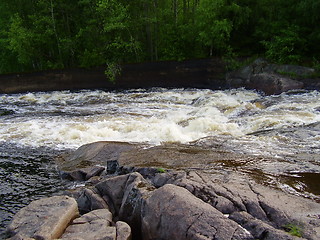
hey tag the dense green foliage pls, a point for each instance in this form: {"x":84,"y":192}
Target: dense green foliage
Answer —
{"x":48,"y":34}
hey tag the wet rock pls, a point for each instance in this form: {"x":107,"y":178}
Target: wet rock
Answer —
{"x":271,"y":78}
{"x":123,"y":231}
{"x":46,"y":218}
{"x":175,"y":157}
{"x":172,"y":212}
{"x":5,"y":112}
{"x":272,"y":83}
{"x":195,"y":156}
{"x":98,"y":153}
{"x":83,"y":174}
{"x":95,"y":225}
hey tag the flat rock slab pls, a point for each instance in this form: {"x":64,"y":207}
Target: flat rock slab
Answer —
{"x":92,"y":154}
{"x":44,"y":219}
{"x":207,"y":154}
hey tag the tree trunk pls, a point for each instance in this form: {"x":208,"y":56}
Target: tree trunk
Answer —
{"x":55,"y":31}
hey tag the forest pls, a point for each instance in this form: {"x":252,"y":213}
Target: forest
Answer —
{"x":55,"y":34}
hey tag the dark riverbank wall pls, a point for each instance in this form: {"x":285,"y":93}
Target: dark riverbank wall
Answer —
{"x":203,"y":73}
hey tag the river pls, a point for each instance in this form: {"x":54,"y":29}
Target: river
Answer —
{"x":35,"y":127}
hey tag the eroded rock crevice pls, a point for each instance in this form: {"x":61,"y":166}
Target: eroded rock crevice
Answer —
{"x":135,"y":202}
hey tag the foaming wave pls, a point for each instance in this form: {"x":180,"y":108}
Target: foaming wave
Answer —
{"x":69,"y":119}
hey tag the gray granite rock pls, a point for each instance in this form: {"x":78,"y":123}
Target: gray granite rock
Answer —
{"x":89,"y":200}
{"x":95,"y":225}
{"x":45,"y":219}
{"x":172,"y":212}
{"x":123,"y":231}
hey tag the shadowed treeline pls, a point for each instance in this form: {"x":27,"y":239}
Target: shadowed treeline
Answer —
{"x":205,"y":73}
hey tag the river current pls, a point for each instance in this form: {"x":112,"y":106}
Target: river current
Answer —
{"x":35,"y":127}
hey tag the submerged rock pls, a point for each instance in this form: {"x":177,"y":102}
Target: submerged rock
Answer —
{"x":5,"y":112}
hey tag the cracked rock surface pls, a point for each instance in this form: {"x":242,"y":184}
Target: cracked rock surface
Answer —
{"x":180,"y":192}
{"x":46,"y":218}
{"x":151,"y":185}
{"x":173,"y":212}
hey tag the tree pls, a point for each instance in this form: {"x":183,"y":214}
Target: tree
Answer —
{"x":48,"y":34}
{"x":215,"y":21}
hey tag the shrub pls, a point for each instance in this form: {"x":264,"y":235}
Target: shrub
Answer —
{"x":293,"y":229}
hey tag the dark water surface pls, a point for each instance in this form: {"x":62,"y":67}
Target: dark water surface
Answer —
{"x":26,"y":174}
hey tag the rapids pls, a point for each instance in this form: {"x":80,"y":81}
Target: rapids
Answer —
{"x":36,"y":126}
{"x":70,"y":119}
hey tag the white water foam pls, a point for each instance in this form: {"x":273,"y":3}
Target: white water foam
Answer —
{"x":70,"y":119}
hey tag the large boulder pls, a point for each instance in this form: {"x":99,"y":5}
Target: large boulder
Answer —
{"x":46,"y":218}
{"x":272,"y":83}
{"x":294,"y":70}
{"x":112,"y":190}
{"x":271,"y":78}
{"x":230,"y":193}
{"x":125,"y":196}
{"x":136,"y":192}
{"x":95,"y":225}
{"x":88,"y":200}
{"x":173,"y":212}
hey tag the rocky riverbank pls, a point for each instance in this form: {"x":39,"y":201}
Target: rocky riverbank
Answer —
{"x":172,"y":191}
{"x":273,"y":78}
{"x":200,"y":73}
